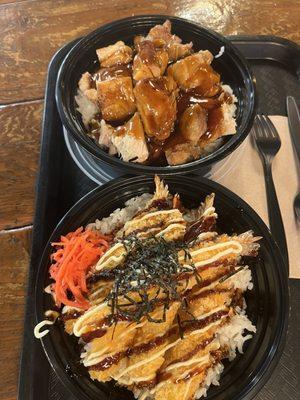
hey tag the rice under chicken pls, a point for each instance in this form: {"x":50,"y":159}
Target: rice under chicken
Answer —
{"x":158,"y":102}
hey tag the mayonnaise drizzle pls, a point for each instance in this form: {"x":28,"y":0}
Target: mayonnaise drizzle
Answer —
{"x":147,"y":360}
{"x":189,"y":362}
{"x":130,"y":381}
{"x":152,"y":391}
{"x":233,"y":245}
{"x":39,"y":326}
{"x":211,"y":312}
{"x":156,"y":213}
{"x":95,"y":358}
{"x":179,"y":223}
{"x":97,"y":354}
{"x":217,"y":256}
{"x":108,"y":257}
{"x":132,"y":329}
{"x":79,"y":326}
{"x":169,"y":228}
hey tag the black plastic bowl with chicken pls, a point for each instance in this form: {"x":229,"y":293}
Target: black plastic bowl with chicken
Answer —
{"x":161,"y":95}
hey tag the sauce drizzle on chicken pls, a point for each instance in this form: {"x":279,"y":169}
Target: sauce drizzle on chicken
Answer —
{"x":175,"y":92}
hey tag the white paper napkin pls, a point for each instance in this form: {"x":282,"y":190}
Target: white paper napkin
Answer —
{"x":247,"y":180}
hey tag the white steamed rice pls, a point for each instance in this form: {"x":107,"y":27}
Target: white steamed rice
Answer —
{"x":212,"y":378}
{"x":87,"y":108}
{"x":121,"y":215}
{"x":232,"y":336}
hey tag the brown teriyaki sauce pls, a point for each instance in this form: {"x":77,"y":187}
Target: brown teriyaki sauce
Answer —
{"x":210,"y":98}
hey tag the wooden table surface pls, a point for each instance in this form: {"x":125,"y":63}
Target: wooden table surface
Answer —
{"x":31,"y":32}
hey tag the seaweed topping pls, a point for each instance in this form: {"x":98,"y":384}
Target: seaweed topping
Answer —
{"x":147,"y":277}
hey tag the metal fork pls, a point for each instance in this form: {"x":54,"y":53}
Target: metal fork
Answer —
{"x":268,"y":144}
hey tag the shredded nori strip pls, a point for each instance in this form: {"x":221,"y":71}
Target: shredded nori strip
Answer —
{"x":224,"y":278}
{"x":133,"y":159}
{"x":148,"y":264}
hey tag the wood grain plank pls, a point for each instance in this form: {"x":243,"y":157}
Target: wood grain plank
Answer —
{"x":234,"y":17}
{"x":4,"y":2}
{"x":33,"y":30}
{"x":14,"y":260}
{"x":19,"y":147}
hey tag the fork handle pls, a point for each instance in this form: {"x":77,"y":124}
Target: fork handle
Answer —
{"x":275,"y":218}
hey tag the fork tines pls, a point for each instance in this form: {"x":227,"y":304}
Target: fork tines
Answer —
{"x":266,"y":136}
{"x":263,"y":127}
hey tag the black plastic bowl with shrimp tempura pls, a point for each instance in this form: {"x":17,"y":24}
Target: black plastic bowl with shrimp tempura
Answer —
{"x":267,"y":301}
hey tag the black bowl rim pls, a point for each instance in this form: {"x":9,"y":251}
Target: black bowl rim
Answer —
{"x":135,"y":168}
{"x":267,"y":365}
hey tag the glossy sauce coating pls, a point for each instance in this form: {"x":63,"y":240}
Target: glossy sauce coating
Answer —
{"x":116,"y":71}
{"x":71,"y":315}
{"x":156,"y":104}
{"x":185,"y":99}
{"x":89,"y":336}
{"x":203,"y":225}
{"x":161,"y":105}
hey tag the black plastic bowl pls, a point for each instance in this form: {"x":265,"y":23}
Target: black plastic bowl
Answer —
{"x":231,"y":65}
{"x":267,"y":303}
